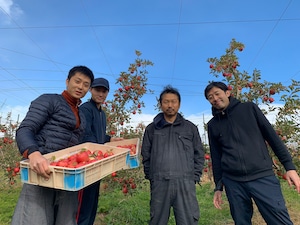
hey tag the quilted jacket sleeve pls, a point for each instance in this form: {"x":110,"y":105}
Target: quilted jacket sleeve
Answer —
{"x":37,"y":115}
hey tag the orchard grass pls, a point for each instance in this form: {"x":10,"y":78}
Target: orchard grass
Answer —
{"x":133,"y":208}
{"x":8,"y":200}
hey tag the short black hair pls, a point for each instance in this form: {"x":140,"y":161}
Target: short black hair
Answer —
{"x":169,"y":89}
{"x":81,"y":69}
{"x":217,"y":84}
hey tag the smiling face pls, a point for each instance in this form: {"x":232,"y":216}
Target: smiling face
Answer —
{"x":218,"y":98}
{"x":99,"y":95}
{"x":78,"y":85}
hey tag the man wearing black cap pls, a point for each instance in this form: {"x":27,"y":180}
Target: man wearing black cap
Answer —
{"x":95,"y":131}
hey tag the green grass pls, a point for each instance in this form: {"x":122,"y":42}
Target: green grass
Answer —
{"x":120,"y":209}
{"x":134,"y":210}
{"x":115,"y":208}
{"x":8,"y":200}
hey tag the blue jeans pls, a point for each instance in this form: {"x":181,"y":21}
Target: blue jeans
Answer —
{"x":267,"y":195}
{"x":45,"y":206}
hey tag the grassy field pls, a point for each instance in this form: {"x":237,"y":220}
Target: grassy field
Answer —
{"x":115,"y":208}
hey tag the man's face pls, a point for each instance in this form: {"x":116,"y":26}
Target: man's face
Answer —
{"x":99,"y":94}
{"x":218,"y":98}
{"x":170,"y":104}
{"x":78,"y":85}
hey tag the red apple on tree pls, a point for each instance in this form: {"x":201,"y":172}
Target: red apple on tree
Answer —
{"x":272,"y":91}
{"x":207,"y":156}
{"x":265,"y":98}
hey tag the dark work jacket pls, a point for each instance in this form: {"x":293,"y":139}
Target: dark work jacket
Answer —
{"x":172,"y":151}
{"x":49,"y":125}
{"x":95,"y":130}
{"x":238,"y":138}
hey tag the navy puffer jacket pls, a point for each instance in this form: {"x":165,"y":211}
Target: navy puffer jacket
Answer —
{"x":49,"y":125}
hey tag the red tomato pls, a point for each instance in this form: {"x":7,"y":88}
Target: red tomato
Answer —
{"x":89,"y":152}
{"x":62,"y":163}
{"x":107,"y":154}
{"x":53,"y":164}
{"x":72,"y":164}
{"x":132,"y":148}
{"x":82,"y":157}
{"x":72,"y":157}
{"x":99,"y":153}
{"x":100,"y":157}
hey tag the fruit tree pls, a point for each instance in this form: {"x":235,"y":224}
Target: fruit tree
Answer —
{"x":9,"y":154}
{"x":251,"y":87}
{"x":127,"y":99}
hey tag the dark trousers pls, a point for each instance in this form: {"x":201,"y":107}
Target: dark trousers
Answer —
{"x":267,"y":195}
{"x":89,"y":204}
{"x":177,"y":193}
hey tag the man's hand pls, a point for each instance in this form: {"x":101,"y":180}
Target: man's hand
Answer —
{"x":293,"y":179}
{"x":39,"y":164}
{"x":218,"y":199}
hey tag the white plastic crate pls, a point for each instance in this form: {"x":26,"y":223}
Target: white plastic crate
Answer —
{"x":74,"y":179}
{"x":132,"y":160}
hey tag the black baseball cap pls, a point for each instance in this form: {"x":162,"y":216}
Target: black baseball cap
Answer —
{"x":100,"y":82}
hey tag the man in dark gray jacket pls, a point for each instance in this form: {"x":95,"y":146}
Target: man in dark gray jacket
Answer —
{"x":52,"y":123}
{"x":173,"y":159}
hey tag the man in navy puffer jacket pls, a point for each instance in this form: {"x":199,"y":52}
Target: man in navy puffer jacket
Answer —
{"x":52,"y":123}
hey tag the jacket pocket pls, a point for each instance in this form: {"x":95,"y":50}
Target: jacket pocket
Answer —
{"x":187,"y":141}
